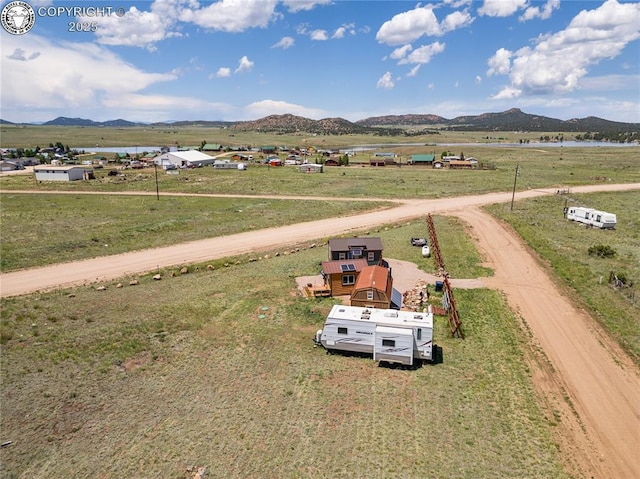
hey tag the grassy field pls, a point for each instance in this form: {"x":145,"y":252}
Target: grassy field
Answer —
{"x":32,"y":136}
{"x":565,"y":245}
{"x":151,"y":380}
{"x":53,"y":228}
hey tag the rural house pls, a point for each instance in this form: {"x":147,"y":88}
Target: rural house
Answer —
{"x":374,"y":289}
{"x":426,"y":160}
{"x":356,"y":248}
{"x":461,"y":165}
{"x":211,"y":147}
{"x":340,"y":276}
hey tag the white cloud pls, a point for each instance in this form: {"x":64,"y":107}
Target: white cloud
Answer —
{"x":500,"y":62}
{"x":456,"y":20}
{"x":137,"y":28}
{"x":501,"y":8}
{"x":414,"y":71}
{"x":244,"y":65}
{"x":230,"y":15}
{"x":558,"y":61}
{"x":385,"y":81}
{"x":284,"y":43}
{"x":423,"y":54}
{"x":507,"y":93}
{"x":408,"y":26}
{"x":319,"y":35}
{"x":544,"y":13}
{"x":344,"y":29}
{"x":298,"y":5}
{"x":264,"y":108}
{"x":223,"y":72}
{"x":20,"y":54}
{"x":401,"y":52}
{"x":478,"y":79}
{"x":93,"y":76}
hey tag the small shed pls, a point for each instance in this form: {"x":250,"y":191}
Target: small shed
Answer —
{"x":310,"y":168}
{"x":374,"y":288}
{"x":61,"y":173}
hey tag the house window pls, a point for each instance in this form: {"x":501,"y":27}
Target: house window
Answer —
{"x":369,"y":295}
{"x":348,"y":279}
{"x":371,"y":256}
{"x":356,"y":253}
{"x":342,"y":256}
{"x":389,"y":342}
{"x":419,"y":334}
{"x":342,"y":330}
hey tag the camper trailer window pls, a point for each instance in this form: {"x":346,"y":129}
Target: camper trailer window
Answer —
{"x":389,"y":342}
{"x":419,"y":334}
{"x":342,"y":330}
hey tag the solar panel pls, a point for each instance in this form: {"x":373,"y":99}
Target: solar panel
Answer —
{"x":347,"y":267}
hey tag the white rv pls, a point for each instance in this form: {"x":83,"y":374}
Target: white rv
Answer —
{"x":589,"y":216}
{"x":404,"y":337}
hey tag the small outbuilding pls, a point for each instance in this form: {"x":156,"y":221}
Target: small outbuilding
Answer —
{"x":310,"y":168}
{"x":374,"y":289}
{"x":62,"y":173}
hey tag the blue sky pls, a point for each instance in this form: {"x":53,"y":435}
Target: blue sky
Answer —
{"x":235,"y":60}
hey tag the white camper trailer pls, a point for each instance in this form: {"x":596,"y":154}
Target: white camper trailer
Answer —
{"x":589,"y":216}
{"x":404,"y":337}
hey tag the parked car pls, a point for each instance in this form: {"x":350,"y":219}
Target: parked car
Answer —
{"x":426,"y":251}
{"x":418,"y":241}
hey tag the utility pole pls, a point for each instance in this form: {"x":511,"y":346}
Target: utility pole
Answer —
{"x":155,"y":167}
{"x":515,"y":179}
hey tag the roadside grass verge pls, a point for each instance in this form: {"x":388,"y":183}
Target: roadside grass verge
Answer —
{"x":217,"y":368}
{"x":565,"y":245}
{"x":44,"y":229}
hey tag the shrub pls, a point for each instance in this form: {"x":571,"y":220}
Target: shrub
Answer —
{"x":603,"y":251}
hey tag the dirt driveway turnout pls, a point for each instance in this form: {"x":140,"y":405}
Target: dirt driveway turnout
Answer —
{"x":576,"y":368}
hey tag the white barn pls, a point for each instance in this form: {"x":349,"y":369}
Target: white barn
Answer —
{"x":179,"y":159}
{"x":61,"y":173}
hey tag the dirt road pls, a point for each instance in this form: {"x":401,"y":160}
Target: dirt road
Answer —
{"x":580,"y":373}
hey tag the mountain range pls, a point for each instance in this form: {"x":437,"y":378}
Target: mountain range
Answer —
{"x":510,"y":120}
